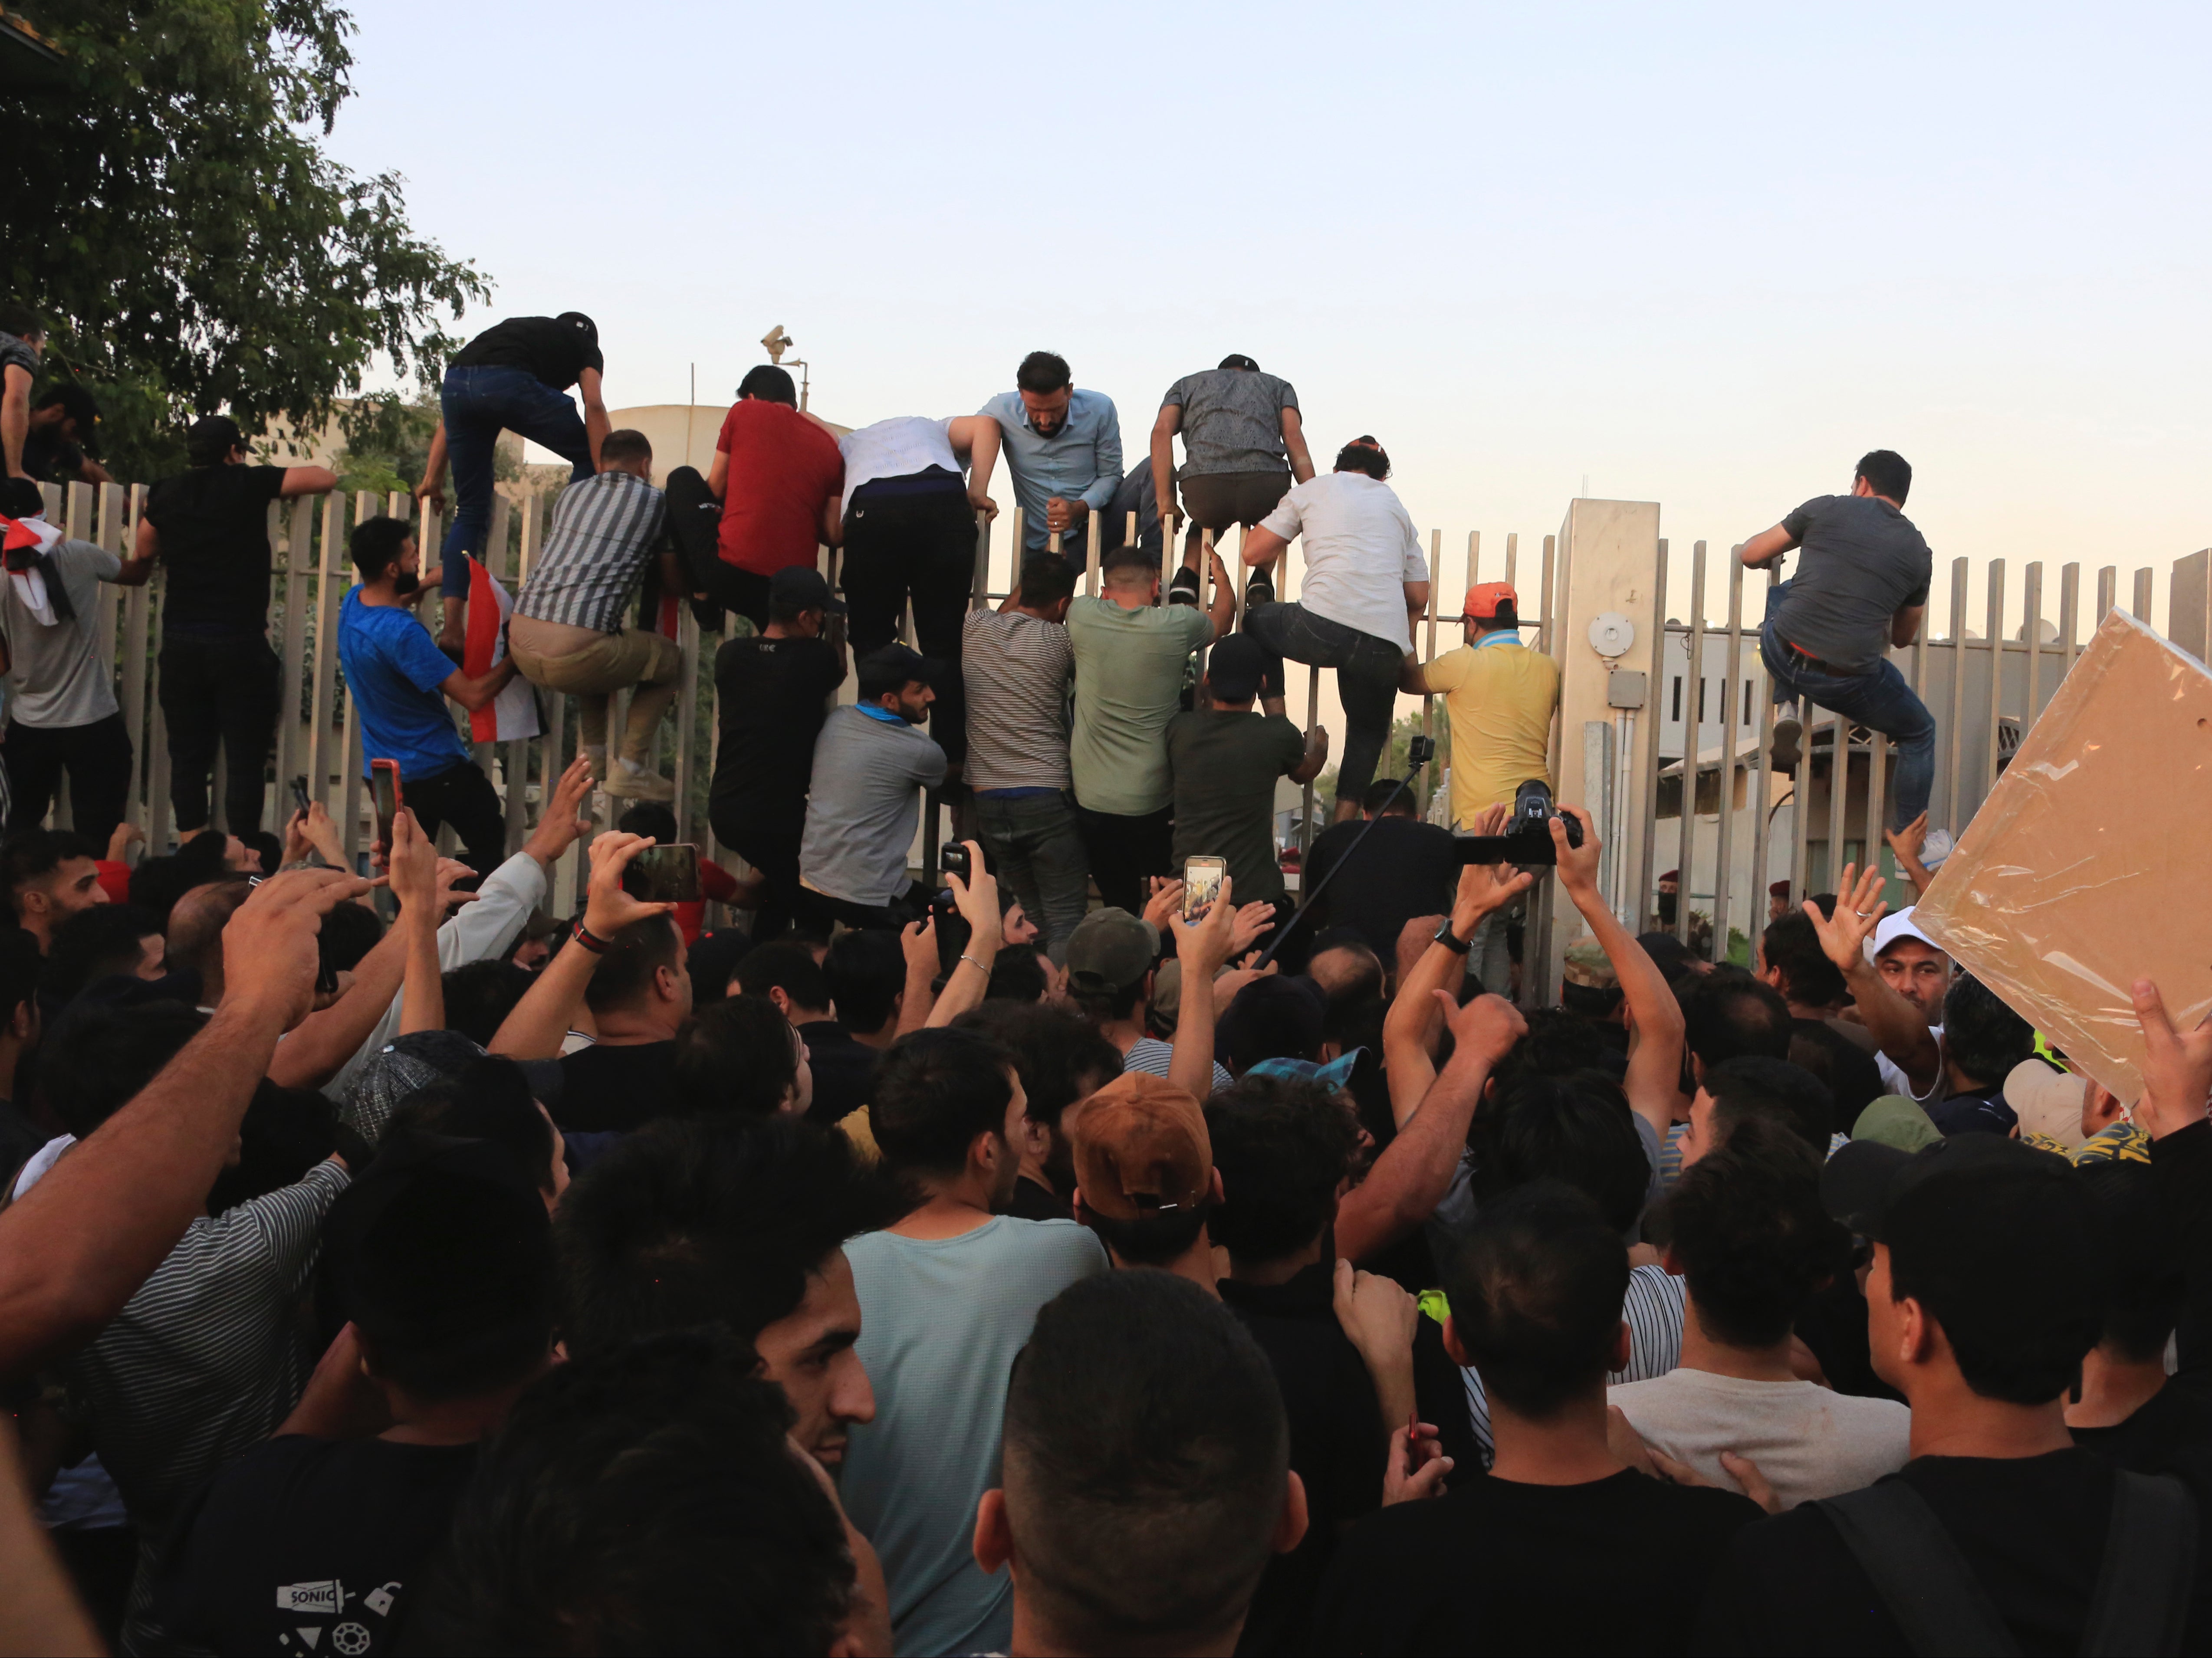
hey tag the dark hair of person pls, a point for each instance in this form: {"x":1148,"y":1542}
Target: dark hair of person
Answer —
{"x":349,"y":932}
{"x":1890,"y":475}
{"x":158,"y":883}
{"x":1557,"y":1043}
{"x":780,"y":611}
{"x":103,"y":941}
{"x":624,"y":974}
{"x":1386,"y":792}
{"x":1668,"y":954}
{"x":1535,"y":1285}
{"x":624,"y":443}
{"x":98,"y":1058}
{"x":1792,"y":945}
{"x":195,"y":928}
{"x":1364,"y":455}
{"x":76,"y":403}
{"x":864,"y":971}
{"x":1017,"y":975}
{"x":708,"y":1220}
{"x":488,"y":1100}
{"x":1151,"y":1240}
{"x":1046,"y":580}
{"x":1271,"y":1018}
{"x":375,"y":545}
{"x":22,"y":970}
{"x":1100,"y":1002}
{"x":1983,"y":1038}
{"x":1577,"y":1129}
{"x":1596,"y":1002}
{"x":642,"y":1500}
{"x":1727,"y":1014}
{"x":1787,"y":1096}
{"x":1281,"y":1161}
{"x":30,"y":855}
{"x":1954,"y":1246}
{"x":1367,"y":977}
{"x":1146,"y":1457}
{"x":1825,"y":904}
{"x":880,"y":677}
{"x":740,"y":1055}
{"x":2145,"y":1282}
{"x":284,"y":1132}
{"x":210,"y":439}
{"x":1044,"y":371}
{"x":481,"y":994}
{"x":1754,"y":1243}
{"x":1058,"y":1056}
{"x":935,"y":1091}
{"x":649,"y":817}
{"x":1504,"y":619}
{"x":786,"y":967}
{"x":1131,"y":556}
{"x":770,"y":385}
{"x":21,"y":321}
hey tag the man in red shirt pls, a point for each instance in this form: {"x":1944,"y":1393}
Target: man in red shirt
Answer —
{"x":778,"y":475}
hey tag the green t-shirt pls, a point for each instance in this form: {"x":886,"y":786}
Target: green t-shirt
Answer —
{"x":1225,"y":767}
{"x":1128,"y":683}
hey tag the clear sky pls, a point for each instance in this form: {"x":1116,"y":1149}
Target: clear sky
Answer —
{"x":1696,"y":254}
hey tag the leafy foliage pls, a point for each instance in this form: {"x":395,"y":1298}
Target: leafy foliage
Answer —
{"x":171,"y":211}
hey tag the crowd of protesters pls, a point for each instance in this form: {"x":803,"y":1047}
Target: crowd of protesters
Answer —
{"x":387,"y":1264}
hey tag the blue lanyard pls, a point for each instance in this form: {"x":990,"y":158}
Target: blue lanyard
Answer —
{"x":874,"y":711}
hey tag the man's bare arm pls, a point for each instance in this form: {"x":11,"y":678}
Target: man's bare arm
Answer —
{"x":1164,"y":430}
{"x":1763,"y":549}
{"x":1896,"y":1024}
{"x":1654,"y":1061}
{"x":596,"y":423}
{"x":1294,"y":445}
{"x":541,"y":1020}
{"x":1904,"y":626}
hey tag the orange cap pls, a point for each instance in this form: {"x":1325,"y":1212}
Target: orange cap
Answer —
{"x":1487,"y":600}
{"x":1140,"y":1146}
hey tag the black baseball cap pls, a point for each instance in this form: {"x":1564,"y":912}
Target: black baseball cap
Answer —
{"x":1865,"y":1182}
{"x":1235,"y":667}
{"x":801,"y":588}
{"x":893,"y":666}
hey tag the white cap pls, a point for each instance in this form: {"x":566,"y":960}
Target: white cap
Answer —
{"x":1892,"y":927}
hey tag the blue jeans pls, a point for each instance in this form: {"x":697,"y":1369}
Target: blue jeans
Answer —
{"x":1039,"y":852}
{"x":1367,"y":668}
{"x":1880,"y":700}
{"x":478,"y":404}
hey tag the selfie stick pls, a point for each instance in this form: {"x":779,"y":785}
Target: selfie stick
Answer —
{"x":1418,"y":752}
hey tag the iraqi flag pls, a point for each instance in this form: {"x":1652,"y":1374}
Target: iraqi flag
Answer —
{"x":513,"y":714}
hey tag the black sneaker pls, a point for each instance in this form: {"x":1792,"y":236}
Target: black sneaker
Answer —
{"x":1259,"y":589}
{"x":1782,"y":753}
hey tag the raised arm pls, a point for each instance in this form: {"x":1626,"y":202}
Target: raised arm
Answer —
{"x":1655,"y":1056}
{"x":983,"y":461}
{"x":145,"y":548}
{"x":1906,"y":843}
{"x":918,"y":944}
{"x":1898,"y":1031}
{"x":1107,"y":459}
{"x":1164,"y":427}
{"x":1294,"y":446}
{"x":414,"y":867}
{"x":596,"y":424}
{"x":83,"y":1239}
{"x":977,"y":898}
{"x":1262,"y":547}
{"x":1222,"y":612}
{"x":1202,"y":946}
{"x":431,"y":491}
{"x":1904,"y":626}
{"x":14,"y":415}
{"x":541,"y":1020}
{"x":482,"y":690}
{"x":307,"y":481}
{"x":1764,"y":548}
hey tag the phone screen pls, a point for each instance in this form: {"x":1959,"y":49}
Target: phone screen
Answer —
{"x":664,"y":875}
{"x":384,"y":786}
{"x":299,"y":797}
{"x":1201,"y":884}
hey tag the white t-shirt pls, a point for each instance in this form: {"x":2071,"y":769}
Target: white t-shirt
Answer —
{"x":897,"y":448}
{"x":1808,"y":1440}
{"x":1894,"y":1081}
{"x":1360,"y":550}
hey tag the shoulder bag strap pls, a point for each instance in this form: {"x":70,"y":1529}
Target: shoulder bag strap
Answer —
{"x":1916,"y":1568}
{"x":2144,"y":1587}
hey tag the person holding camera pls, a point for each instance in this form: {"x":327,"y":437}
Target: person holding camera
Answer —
{"x":863,"y":802}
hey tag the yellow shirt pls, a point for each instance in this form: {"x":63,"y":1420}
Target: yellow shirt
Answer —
{"x":1501,"y":699}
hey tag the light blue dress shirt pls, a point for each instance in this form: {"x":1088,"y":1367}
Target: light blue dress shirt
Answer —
{"x":1082,"y":460}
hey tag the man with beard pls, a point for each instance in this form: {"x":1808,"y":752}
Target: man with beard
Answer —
{"x":400,"y":679}
{"x":1063,"y":447}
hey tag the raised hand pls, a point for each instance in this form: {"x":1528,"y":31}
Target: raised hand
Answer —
{"x":607,"y":908}
{"x":1577,"y":863}
{"x":2176,"y":1066}
{"x":1165,"y":902}
{"x":563,"y":821}
{"x":1859,"y":909}
{"x":1204,"y":944}
{"x":1485,"y":1029}
{"x":269,"y":954}
{"x":977,"y":898}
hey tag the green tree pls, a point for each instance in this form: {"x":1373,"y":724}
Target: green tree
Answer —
{"x":1394,"y":760}
{"x":170,"y":209}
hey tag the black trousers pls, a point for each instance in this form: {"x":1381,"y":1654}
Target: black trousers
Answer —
{"x":97,"y":758}
{"x":824,"y":911}
{"x":223,"y":693}
{"x":695,"y":523}
{"x":767,"y":835}
{"x":464,"y":797}
{"x":917,"y":545}
{"x":1124,"y":851}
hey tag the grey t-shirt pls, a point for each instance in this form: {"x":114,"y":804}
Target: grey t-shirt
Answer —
{"x":1017,"y":668}
{"x":57,"y":676}
{"x":1860,"y":562}
{"x":1232,"y":420}
{"x":863,"y":803}
{"x":941,"y":1320}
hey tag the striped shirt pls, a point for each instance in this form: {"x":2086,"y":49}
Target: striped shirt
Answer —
{"x":208,"y":1356}
{"x":604,"y":528}
{"x":1653,"y":1307}
{"x":1016,"y":669}
{"x":1151,"y":1056}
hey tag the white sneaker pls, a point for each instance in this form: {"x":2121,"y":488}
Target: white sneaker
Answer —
{"x":1936,"y":848}
{"x":631,"y":782}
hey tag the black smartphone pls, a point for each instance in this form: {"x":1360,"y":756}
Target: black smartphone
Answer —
{"x":383,"y":789}
{"x":664,"y":875}
{"x":953,"y":861}
{"x":300,"y":792}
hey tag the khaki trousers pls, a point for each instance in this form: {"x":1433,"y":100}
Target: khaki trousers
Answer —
{"x":610,"y":663}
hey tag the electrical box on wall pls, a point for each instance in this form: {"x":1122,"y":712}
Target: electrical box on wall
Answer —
{"x":1625,"y":687}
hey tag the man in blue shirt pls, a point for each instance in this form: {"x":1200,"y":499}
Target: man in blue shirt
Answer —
{"x":400,"y":680}
{"x":1063,"y":449}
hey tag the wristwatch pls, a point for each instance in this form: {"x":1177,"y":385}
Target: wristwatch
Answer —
{"x":1450,"y":940}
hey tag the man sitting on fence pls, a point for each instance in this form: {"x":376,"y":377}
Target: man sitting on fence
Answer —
{"x":567,"y":633}
{"x":64,"y":439}
{"x":1860,"y":592}
{"x":400,"y":679}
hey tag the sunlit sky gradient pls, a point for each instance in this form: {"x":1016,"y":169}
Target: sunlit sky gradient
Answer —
{"x":1696,"y":254}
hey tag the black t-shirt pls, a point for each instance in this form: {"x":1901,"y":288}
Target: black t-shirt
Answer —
{"x":1405,"y":868}
{"x":50,"y":457}
{"x":2165,"y":1429}
{"x":1226,"y":767}
{"x":1854,"y":1080}
{"x":213,"y":525}
{"x":1614,"y":1566}
{"x":301,"y":1545}
{"x":1033,"y":1201}
{"x":844,"y":1070}
{"x":1338,"y":1442}
{"x":618,"y":1086}
{"x":555,"y":351}
{"x":2031,"y":1530}
{"x":770,"y":695}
